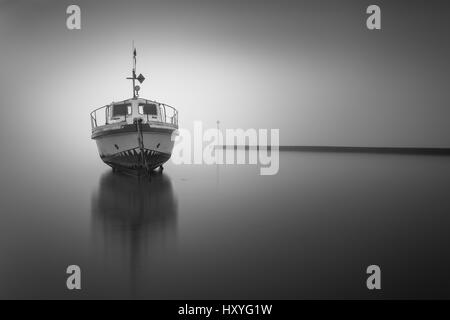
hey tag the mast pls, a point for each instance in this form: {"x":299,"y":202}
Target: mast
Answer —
{"x":133,"y":77}
{"x":134,"y":72}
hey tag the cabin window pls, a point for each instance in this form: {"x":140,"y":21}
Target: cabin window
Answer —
{"x":148,"y":108}
{"x":121,"y":110}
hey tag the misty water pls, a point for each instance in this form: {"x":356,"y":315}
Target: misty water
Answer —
{"x":206,"y":231}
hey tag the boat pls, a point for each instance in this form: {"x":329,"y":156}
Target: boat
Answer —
{"x":135,"y":135}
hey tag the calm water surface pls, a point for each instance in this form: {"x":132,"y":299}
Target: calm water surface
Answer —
{"x":203,"y":231}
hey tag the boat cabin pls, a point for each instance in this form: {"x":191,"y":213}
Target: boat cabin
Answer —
{"x":125,"y":112}
{"x":129,"y":110}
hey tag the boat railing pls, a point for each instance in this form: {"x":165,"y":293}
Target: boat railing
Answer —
{"x":167,"y":115}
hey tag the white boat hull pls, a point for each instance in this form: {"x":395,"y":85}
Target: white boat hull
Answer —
{"x":122,"y":150}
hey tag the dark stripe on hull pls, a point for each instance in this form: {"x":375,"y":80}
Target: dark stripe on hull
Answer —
{"x":126,"y":128}
{"x":132,"y":160}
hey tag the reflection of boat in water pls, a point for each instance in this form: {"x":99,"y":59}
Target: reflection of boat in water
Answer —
{"x":130,"y":201}
{"x":134,"y":135}
{"x":129,"y":215}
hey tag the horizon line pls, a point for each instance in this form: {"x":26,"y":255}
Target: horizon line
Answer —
{"x":356,"y":149}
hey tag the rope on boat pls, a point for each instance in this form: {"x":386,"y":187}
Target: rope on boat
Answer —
{"x":141,"y":145}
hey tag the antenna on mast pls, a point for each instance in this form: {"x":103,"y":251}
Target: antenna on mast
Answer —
{"x":133,"y":77}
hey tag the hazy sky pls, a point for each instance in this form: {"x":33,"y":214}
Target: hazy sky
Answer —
{"x":309,"y":68}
